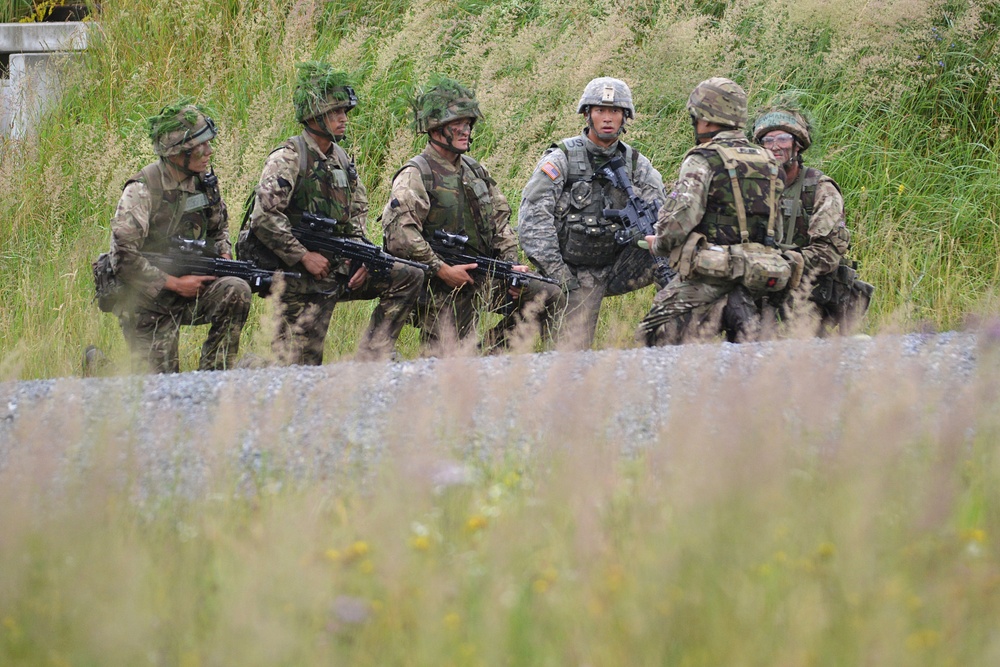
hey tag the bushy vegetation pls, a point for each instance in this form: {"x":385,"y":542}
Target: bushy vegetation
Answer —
{"x":904,"y":92}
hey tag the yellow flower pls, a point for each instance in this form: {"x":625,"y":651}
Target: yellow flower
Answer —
{"x":901,"y":188}
{"x":975,"y":535}
{"x":476,"y":522}
{"x":826,"y":551}
{"x":541,"y":585}
{"x":420,"y":542}
{"x":366,"y":567}
{"x":451,"y":620}
{"x":332,"y":555}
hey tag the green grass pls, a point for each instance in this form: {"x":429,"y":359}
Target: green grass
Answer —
{"x":904,"y":99}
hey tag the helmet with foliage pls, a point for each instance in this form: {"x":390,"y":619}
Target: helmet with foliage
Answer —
{"x":607,"y":92}
{"x":719,"y":101}
{"x":441,"y":101}
{"x":180,"y":127}
{"x":784,"y":115}
{"x":321,"y":89}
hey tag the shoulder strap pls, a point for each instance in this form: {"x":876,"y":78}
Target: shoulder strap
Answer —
{"x":793,"y":194}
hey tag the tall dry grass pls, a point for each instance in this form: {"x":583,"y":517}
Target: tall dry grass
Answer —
{"x":903,"y":92}
{"x":784,"y":508}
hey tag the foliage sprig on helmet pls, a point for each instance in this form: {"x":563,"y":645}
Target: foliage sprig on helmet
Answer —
{"x":180,"y":127}
{"x":441,"y":101}
{"x":320,"y":89}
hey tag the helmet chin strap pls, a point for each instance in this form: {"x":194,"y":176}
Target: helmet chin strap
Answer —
{"x":698,"y":136}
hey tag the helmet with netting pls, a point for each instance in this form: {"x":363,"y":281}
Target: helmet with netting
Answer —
{"x":180,"y":127}
{"x":787,"y":118}
{"x":607,"y":92}
{"x":719,"y":101}
{"x":441,"y":101}
{"x":321,"y":89}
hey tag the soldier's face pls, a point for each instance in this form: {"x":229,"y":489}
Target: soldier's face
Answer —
{"x":458,"y":133}
{"x":335,"y":122}
{"x":607,"y":121}
{"x":197,"y":161}
{"x":781,"y":144}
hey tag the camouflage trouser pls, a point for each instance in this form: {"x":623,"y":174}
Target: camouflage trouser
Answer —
{"x":153,"y":336}
{"x":684,"y":311}
{"x":447,"y":316}
{"x":305,"y":318}
{"x":633,"y":269}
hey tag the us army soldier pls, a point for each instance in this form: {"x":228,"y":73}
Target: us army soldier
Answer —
{"x":561,"y":221}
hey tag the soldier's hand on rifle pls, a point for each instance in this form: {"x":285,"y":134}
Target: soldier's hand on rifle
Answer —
{"x":516,"y":291}
{"x":650,"y":243}
{"x":187,"y":286}
{"x":456,"y":276}
{"x":359,"y":278}
{"x":316,"y":264}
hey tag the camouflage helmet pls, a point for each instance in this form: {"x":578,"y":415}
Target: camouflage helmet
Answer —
{"x":719,"y":101}
{"x":607,"y":92}
{"x":441,"y":101}
{"x":321,"y":89}
{"x":788,"y":120}
{"x":180,"y":127}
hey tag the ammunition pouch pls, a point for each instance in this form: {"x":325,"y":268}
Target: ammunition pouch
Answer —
{"x":249,"y":248}
{"x":589,"y":240}
{"x":755,"y":266}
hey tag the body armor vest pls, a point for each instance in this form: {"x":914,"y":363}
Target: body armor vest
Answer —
{"x":797,"y":205}
{"x":755,"y":171}
{"x":460,"y":201}
{"x":586,"y":237}
{"x":325,"y":186}
{"x":175,"y":212}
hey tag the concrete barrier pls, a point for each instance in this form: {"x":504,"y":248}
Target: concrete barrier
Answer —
{"x":32,"y":56}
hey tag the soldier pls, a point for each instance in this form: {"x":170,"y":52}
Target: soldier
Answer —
{"x":813,"y":211}
{"x":176,"y":196}
{"x":718,"y":226}
{"x":311,"y":173}
{"x":442,"y":188}
{"x":561,"y":221}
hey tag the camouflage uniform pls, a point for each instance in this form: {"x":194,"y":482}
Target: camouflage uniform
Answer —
{"x":431,"y":193}
{"x":299,"y":177}
{"x":703,"y":200}
{"x":562,"y":227}
{"x":813,"y":210}
{"x":157,"y":204}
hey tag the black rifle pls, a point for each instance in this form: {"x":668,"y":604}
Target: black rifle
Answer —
{"x":638,"y":217}
{"x":449,"y":248}
{"x":189,"y":257}
{"x":319,"y":234}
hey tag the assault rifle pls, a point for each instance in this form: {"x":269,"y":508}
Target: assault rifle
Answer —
{"x":190,"y":257}
{"x":449,"y":248}
{"x":324,"y":234}
{"x":638,"y":217}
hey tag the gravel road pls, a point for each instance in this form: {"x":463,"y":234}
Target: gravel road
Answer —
{"x":318,"y":422}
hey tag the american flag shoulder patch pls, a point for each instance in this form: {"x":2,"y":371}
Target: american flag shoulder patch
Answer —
{"x":550,"y":170}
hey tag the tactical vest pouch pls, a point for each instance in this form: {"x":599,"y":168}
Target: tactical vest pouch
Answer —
{"x":713,"y":261}
{"x":682,"y":257}
{"x":590,"y":240}
{"x":108,"y":288}
{"x":249,"y":248}
{"x":759,"y":268}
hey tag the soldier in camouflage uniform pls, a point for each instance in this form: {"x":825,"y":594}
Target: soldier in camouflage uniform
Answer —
{"x":444,"y":189}
{"x":813,"y":211}
{"x":724,"y":200}
{"x":177,"y":196}
{"x":561,"y":220}
{"x":311,"y":173}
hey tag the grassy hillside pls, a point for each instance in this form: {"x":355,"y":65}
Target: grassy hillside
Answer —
{"x":905,"y":94}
